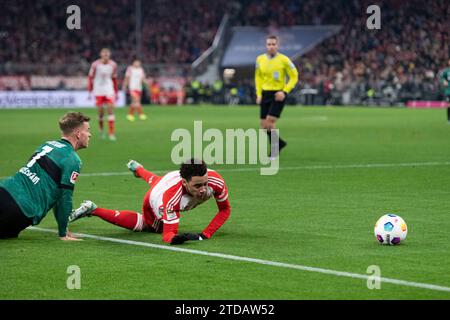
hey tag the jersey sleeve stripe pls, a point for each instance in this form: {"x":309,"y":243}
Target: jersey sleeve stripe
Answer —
{"x":174,"y":199}
{"x":216,"y":185}
{"x":171,"y":221}
{"x":217,"y":181}
{"x":174,"y":196}
{"x":223,"y":199}
{"x":174,"y":203}
{"x":220,"y":186}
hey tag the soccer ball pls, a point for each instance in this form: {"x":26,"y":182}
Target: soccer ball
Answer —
{"x":390,"y":229}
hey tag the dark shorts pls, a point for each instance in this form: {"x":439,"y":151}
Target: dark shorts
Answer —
{"x":12,"y":219}
{"x":269,"y":106}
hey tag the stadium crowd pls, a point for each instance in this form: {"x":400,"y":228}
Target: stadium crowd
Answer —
{"x":172,"y":33}
{"x":396,"y":63}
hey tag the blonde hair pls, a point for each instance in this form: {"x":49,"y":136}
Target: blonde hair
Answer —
{"x":71,"y":121}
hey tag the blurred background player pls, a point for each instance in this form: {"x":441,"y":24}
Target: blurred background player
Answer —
{"x":47,"y":181}
{"x":445,"y":77}
{"x":155,"y":91}
{"x":134,"y":79}
{"x":102,"y":81}
{"x":177,"y":191}
{"x":271,"y":70}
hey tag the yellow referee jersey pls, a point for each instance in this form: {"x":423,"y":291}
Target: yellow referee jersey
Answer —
{"x":270,"y":73}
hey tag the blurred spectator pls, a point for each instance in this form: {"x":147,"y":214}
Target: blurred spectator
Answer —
{"x":155,"y":90}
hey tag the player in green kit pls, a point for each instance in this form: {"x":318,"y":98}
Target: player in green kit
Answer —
{"x":46,"y":182}
{"x":445,"y":77}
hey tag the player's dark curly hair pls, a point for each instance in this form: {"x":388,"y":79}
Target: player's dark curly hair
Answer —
{"x":193,"y":168}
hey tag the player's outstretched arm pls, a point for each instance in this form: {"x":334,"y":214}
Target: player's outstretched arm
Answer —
{"x":62,"y":210}
{"x":219,"y":219}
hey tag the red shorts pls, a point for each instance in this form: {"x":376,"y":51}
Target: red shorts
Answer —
{"x":136,"y":93}
{"x":101,"y":100}
{"x":153,"y":223}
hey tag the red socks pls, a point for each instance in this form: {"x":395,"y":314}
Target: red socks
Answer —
{"x":135,"y":108}
{"x":126,"y":219}
{"x":145,"y":175}
{"x":100,"y":123}
{"x":111,"y":120}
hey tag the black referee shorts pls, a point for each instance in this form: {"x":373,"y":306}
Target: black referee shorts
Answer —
{"x":12,"y":219}
{"x":269,"y":106}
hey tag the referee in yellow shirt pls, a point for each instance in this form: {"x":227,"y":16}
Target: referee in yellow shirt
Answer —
{"x":271,"y":70}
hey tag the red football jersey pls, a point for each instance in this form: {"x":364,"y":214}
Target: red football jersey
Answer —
{"x":168,"y":198}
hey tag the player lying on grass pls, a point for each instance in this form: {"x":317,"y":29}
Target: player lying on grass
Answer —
{"x":177,"y":191}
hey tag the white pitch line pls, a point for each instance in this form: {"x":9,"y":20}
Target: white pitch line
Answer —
{"x":258,"y":261}
{"x":314,"y":167}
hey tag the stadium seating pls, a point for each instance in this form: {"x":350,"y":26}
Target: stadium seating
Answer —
{"x":399,"y":62}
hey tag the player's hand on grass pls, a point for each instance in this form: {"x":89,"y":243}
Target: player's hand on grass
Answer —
{"x":202,"y":236}
{"x":183,"y":237}
{"x":280,"y":96}
{"x":178,"y":239}
{"x":70,"y":237}
{"x":195,"y":236}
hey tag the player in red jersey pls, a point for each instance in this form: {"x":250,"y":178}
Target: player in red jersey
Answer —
{"x":102,"y":81}
{"x":175,"y":192}
{"x":134,"y":79}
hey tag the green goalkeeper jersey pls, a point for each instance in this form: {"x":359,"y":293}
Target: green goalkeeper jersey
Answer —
{"x":445,"y":76}
{"x":47,"y":181}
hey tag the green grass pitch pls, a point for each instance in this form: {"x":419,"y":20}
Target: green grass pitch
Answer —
{"x":318,"y":211}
